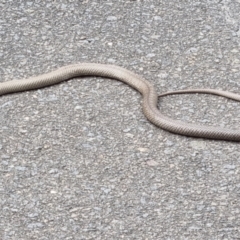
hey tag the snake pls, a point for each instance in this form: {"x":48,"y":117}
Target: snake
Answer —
{"x":149,"y":94}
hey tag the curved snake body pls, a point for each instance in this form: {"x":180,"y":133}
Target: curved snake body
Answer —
{"x":150,"y":97}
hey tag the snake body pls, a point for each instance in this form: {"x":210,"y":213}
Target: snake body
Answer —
{"x":150,"y":96}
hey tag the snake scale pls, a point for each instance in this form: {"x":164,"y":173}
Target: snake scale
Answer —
{"x":150,"y":97}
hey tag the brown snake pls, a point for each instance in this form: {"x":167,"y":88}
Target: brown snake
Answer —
{"x":150,"y":97}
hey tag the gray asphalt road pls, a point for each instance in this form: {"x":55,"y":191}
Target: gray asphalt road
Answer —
{"x":79,"y":160}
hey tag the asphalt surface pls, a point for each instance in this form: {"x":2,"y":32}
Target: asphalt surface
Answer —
{"x":79,"y":160}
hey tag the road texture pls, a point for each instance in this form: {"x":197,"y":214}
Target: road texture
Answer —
{"x":79,"y":160}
